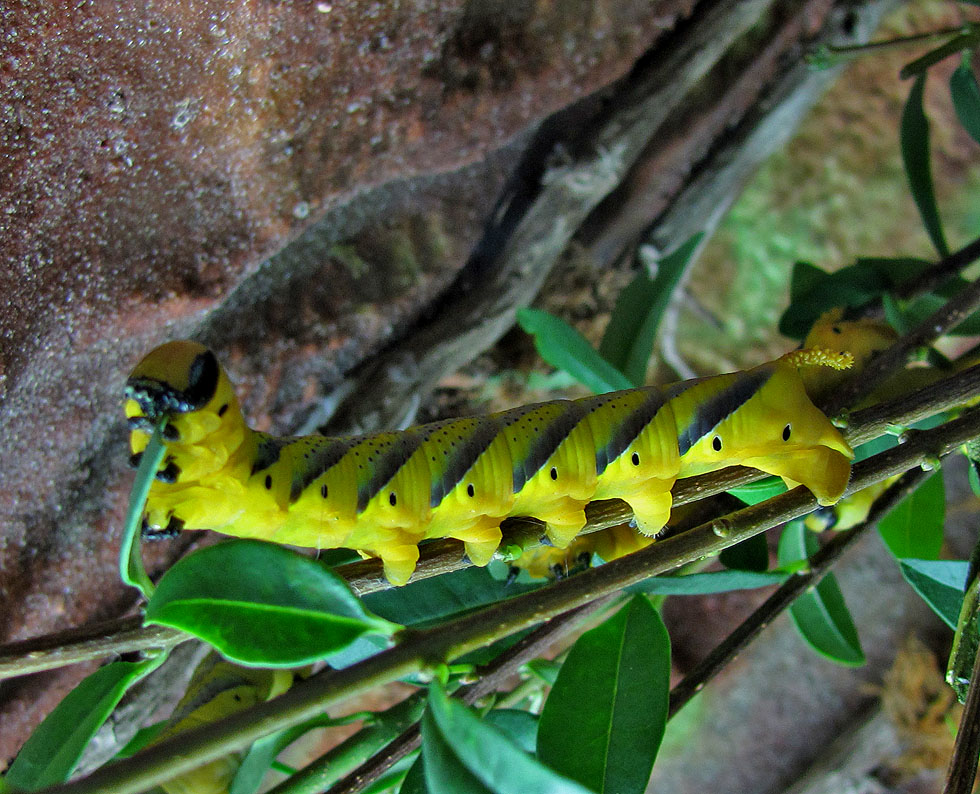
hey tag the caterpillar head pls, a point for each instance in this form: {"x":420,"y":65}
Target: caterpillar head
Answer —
{"x":183,"y":383}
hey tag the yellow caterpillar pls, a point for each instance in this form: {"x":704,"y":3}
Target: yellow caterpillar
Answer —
{"x":218,"y":689}
{"x":862,"y":339}
{"x":382,"y":494}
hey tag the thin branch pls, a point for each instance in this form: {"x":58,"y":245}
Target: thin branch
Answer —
{"x":963,"y":765}
{"x":945,"y":268}
{"x":786,"y":594}
{"x":951,"y":314}
{"x":420,"y":649}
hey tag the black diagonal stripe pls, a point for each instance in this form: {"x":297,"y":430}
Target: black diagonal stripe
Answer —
{"x":325,"y":455}
{"x":547,"y":442}
{"x":475,"y":442}
{"x":628,"y":430}
{"x":268,"y":451}
{"x":390,"y":460}
{"x":720,"y":406}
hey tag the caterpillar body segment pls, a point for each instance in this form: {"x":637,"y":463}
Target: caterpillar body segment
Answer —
{"x":216,"y":690}
{"x":383,"y":493}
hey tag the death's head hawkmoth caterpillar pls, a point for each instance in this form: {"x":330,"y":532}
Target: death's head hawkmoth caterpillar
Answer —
{"x":218,"y":689}
{"x":382,"y":494}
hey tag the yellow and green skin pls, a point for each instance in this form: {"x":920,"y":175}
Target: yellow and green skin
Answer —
{"x":217,"y":689}
{"x":382,"y":494}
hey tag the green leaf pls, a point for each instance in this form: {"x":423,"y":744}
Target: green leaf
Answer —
{"x":262,"y":604}
{"x":974,"y":477}
{"x":940,"y":583}
{"x":440,"y":597}
{"x":131,"y":569}
{"x":923,"y":306}
{"x":562,"y":346}
{"x":915,"y":155}
{"x":49,"y":756}
{"x":965,"y":92}
{"x":759,"y":491}
{"x":428,"y":601}
{"x":605,"y":717}
{"x":914,"y":528}
{"x":520,"y":726}
{"x":263,"y":752}
{"x":414,"y":782}
{"x":751,"y":554}
{"x":545,"y":669}
{"x":632,"y":330}
{"x":820,"y":615}
{"x":465,"y":755}
{"x":142,"y":738}
{"x":813,"y":291}
{"x":707,"y":583}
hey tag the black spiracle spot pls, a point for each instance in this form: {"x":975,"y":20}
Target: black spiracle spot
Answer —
{"x":554,"y":473}
{"x":323,"y":490}
{"x":392,"y":499}
{"x":716,"y":443}
{"x":268,"y":482}
{"x":786,"y":432}
{"x":636,"y":459}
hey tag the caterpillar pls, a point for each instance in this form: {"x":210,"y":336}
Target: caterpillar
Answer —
{"x":382,"y":494}
{"x":861,"y":338}
{"x":217,"y":689}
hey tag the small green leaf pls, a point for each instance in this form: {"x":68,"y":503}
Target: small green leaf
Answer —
{"x":914,"y":528}
{"x":545,"y":669}
{"x":141,"y":739}
{"x":262,"y":604}
{"x":915,"y":155}
{"x":632,"y":330}
{"x":751,"y":554}
{"x":263,"y":752}
{"x":966,"y":97}
{"x":707,"y":583}
{"x":49,"y":756}
{"x":440,"y":597}
{"x":759,"y":491}
{"x":427,"y":601}
{"x":812,"y":292}
{"x":520,"y":726}
{"x":131,"y":569}
{"x":940,"y":583}
{"x":605,"y":717}
{"x":464,"y":755}
{"x":974,"y":477}
{"x":414,"y":782}
{"x":562,"y":346}
{"x":820,"y":615}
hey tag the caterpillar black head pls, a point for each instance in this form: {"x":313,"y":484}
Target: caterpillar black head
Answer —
{"x":178,"y":377}
{"x":183,"y":383}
